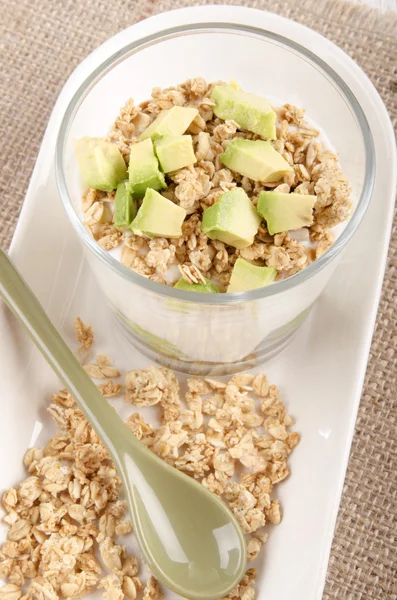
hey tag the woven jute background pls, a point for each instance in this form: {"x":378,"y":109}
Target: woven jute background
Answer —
{"x":42,"y":41}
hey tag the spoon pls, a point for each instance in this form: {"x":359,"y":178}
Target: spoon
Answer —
{"x":190,"y":540}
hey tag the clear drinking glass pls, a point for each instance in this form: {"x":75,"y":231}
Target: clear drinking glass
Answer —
{"x":215,"y":333}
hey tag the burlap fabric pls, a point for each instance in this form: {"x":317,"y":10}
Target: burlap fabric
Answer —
{"x":42,"y":41}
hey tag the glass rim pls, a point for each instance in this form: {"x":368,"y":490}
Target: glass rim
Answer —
{"x":223,"y":298}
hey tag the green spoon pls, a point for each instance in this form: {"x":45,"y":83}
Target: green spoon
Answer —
{"x":190,"y":540}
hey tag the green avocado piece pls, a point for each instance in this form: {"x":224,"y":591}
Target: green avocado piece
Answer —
{"x":144,"y":169}
{"x":250,"y":111}
{"x":246,"y":276}
{"x":233,"y":219}
{"x":257,"y":160}
{"x":173,"y":121}
{"x":158,"y":217}
{"x":101,"y":163}
{"x":205,"y":288}
{"x":125,"y":206}
{"x":175,"y":152}
{"x":284,"y":212}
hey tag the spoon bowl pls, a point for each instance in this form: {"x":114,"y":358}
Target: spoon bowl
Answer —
{"x":187,"y":537}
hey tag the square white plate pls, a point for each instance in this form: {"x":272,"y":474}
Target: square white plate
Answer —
{"x":320,"y":374}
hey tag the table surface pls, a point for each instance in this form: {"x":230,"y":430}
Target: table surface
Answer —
{"x":40,"y":45}
{"x":381,"y":4}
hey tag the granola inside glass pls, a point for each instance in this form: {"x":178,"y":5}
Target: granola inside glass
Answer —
{"x":294,"y":205}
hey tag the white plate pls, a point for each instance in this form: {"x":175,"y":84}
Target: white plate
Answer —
{"x":320,"y":374}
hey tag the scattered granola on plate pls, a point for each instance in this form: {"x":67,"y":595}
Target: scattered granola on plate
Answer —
{"x":65,"y":520}
{"x":204,"y":176}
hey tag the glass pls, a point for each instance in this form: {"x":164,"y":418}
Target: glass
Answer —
{"x":222,"y":333}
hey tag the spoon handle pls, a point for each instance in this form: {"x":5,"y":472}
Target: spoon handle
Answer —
{"x":24,"y":304}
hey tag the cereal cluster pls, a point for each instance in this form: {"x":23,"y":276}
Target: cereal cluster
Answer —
{"x":67,"y":519}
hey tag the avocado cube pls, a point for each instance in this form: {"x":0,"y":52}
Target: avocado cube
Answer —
{"x":175,"y":152}
{"x":233,"y":219}
{"x":125,"y":206}
{"x":206,"y":288}
{"x":101,"y":163}
{"x":250,"y":111}
{"x":257,"y":160}
{"x":144,"y":169}
{"x":246,"y":276}
{"x":285,"y":212}
{"x":158,"y":217}
{"x":173,"y":121}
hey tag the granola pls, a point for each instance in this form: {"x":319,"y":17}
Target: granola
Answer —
{"x":85,"y":337}
{"x":65,"y":520}
{"x":194,"y":256}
